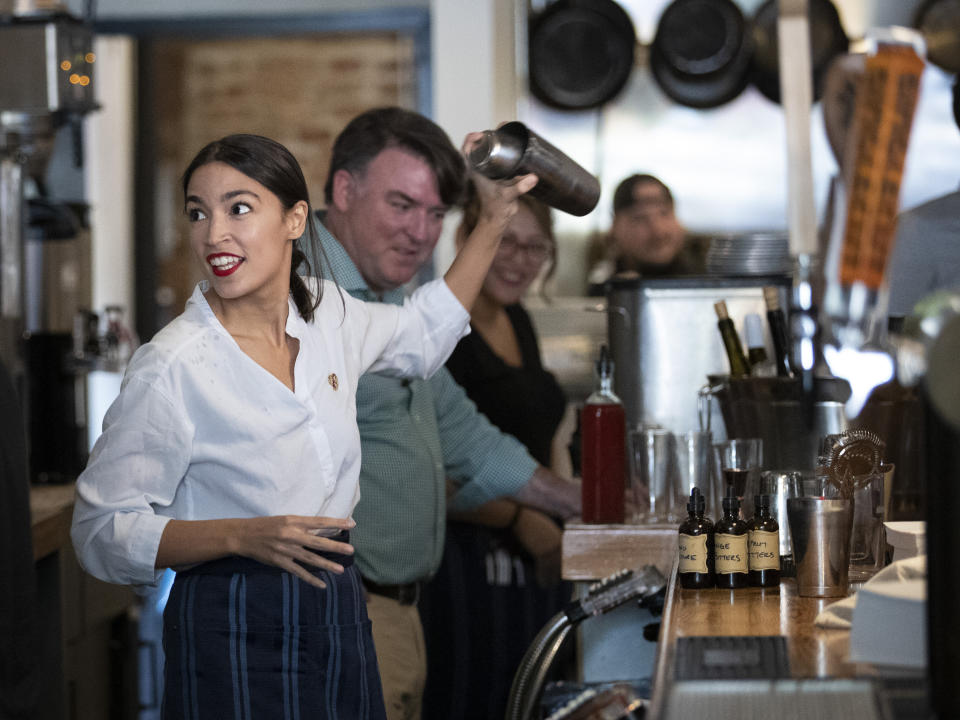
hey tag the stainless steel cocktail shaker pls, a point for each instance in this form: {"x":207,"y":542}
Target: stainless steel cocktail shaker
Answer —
{"x":513,"y":149}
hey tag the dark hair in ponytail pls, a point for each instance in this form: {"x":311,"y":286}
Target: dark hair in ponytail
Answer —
{"x":273,"y":166}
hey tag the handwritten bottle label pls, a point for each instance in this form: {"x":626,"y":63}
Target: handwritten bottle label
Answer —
{"x":764,"y":550}
{"x":693,"y":553}
{"x":730,"y":553}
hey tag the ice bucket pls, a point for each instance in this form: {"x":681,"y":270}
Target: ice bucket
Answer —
{"x":772,"y":408}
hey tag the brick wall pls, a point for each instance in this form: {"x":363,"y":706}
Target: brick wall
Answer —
{"x":300,"y":91}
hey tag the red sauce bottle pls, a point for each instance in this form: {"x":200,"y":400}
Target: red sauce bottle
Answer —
{"x":603,"y":455}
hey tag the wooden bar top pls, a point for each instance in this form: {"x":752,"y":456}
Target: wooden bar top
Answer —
{"x":591,"y":552}
{"x":51,"y":511}
{"x":814,"y":652}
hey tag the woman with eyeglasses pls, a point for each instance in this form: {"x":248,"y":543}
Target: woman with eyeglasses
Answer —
{"x":499,"y":581}
{"x":499,"y":363}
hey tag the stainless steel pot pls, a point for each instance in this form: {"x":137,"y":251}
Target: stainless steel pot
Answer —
{"x":665,"y":343}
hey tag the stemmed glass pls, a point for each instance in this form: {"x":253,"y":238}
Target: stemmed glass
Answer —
{"x":738,"y":462}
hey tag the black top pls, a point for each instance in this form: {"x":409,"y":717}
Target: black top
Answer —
{"x":526,"y":402}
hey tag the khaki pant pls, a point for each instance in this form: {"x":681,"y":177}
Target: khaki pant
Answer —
{"x":401,"y":655}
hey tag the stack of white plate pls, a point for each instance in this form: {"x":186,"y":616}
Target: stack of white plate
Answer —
{"x":756,"y":253}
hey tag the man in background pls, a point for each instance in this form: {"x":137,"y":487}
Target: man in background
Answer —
{"x":645,"y":238}
{"x":393,"y":176}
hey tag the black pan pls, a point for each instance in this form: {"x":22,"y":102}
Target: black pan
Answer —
{"x":580,"y":53}
{"x":939,"y":22}
{"x":701,"y":52}
{"x":827,"y":40}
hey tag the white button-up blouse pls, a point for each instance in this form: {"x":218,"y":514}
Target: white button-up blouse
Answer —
{"x":200,"y":431}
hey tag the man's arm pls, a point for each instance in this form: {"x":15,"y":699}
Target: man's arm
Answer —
{"x":489,"y":463}
{"x":551,"y":493}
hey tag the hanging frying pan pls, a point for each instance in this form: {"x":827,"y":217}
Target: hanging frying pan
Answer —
{"x":939,"y":23}
{"x":827,"y":40}
{"x":580,"y":53}
{"x":701,"y":52}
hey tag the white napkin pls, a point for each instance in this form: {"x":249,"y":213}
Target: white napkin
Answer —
{"x":840,"y":614}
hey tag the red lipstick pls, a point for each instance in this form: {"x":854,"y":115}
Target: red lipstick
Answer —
{"x":223,"y":264}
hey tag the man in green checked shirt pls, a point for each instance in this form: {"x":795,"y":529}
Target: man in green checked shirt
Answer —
{"x":393,"y":176}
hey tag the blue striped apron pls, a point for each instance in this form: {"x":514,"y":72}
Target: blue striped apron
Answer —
{"x":247,"y":641}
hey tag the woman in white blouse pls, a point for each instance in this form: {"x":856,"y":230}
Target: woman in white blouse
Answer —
{"x":232,"y":452}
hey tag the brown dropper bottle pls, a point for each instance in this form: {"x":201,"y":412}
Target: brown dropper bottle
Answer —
{"x":730,"y":545}
{"x":695,"y":565}
{"x":763,"y":539}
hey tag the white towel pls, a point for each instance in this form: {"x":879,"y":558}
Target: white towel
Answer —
{"x":840,"y":613}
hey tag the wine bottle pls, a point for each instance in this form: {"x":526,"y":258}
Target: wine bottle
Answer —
{"x":778,"y":331}
{"x":760,"y":364}
{"x":603,"y":455}
{"x":731,"y":342}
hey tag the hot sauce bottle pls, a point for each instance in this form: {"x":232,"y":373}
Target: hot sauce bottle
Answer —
{"x":730,"y":545}
{"x":763,"y":539}
{"x":695,"y":566}
{"x":603,"y":457}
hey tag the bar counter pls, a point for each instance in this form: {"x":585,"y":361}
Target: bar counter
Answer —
{"x":591,"y":552}
{"x":814,"y":652}
{"x":51,"y":510}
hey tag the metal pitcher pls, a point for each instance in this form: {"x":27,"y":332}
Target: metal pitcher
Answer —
{"x":513,"y":149}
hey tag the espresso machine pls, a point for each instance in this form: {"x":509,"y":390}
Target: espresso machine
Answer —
{"x":47,"y":57}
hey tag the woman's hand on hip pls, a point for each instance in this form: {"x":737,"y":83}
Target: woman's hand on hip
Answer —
{"x":286,"y":541}
{"x":292,"y":541}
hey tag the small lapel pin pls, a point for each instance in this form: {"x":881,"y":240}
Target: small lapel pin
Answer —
{"x":332,"y":379}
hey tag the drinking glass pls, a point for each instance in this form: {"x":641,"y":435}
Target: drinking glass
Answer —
{"x":781,"y":485}
{"x":693,"y":469}
{"x":867,"y":537}
{"x":652,"y":473}
{"x":737,"y":462}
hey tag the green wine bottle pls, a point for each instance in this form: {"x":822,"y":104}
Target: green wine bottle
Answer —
{"x":731,"y":342}
{"x":778,"y":331}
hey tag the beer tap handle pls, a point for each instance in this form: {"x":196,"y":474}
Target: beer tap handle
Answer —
{"x":856,"y":347}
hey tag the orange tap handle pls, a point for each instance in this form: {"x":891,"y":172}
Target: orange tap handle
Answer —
{"x":883,"y":116}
